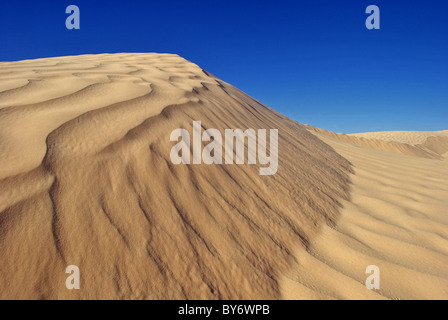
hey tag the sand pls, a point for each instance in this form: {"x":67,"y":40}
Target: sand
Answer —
{"x":396,"y":219}
{"x":409,"y":137}
{"x":86,"y":180}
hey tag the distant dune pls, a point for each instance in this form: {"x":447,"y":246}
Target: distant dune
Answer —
{"x":86,"y":180}
{"x":421,"y":144}
{"x":409,"y":137}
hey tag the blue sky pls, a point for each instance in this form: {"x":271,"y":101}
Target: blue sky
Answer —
{"x":314,"y":61}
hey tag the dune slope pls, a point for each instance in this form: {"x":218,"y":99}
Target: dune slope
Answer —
{"x":86,"y":180}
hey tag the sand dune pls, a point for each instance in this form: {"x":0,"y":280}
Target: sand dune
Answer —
{"x":425,"y":144}
{"x":409,"y":137}
{"x":86,"y":179}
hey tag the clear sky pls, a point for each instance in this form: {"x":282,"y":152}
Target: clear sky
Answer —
{"x":314,"y":61}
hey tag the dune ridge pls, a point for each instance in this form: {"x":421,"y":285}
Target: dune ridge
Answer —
{"x":408,"y":137}
{"x":86,"y":180}
{"x":422,"y":144}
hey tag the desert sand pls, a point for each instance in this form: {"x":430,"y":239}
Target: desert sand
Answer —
{"x":409,"y":137}
{"x":86,"y":180}
{"x":396,"y":219}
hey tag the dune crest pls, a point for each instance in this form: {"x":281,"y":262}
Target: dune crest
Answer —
{"x":409,"y":137}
